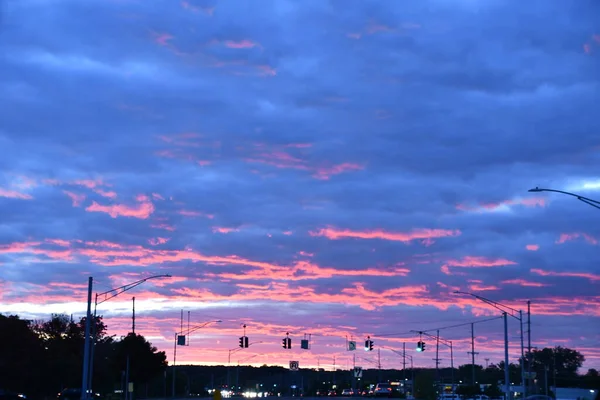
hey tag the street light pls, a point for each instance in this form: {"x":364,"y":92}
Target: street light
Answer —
{"x":230,"y":352}
{"x":446,"y":343}
{"x":586,"y":200}
{"x":190,"y":330}
{"x":86,"y":378}
{"x":511,"y":311}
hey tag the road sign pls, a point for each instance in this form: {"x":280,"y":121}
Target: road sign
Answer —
{"x":294,"y":365}
{"x":358,"y":372}
{"x":304,"y":344}
{"x":351,"y":345}
{"x":180,"y":340}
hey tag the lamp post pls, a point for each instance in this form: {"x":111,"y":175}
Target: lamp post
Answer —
{"x":237,"y":374}
{"x":190,"y":330}
{"x":445,"y":342}
{"x":404,"y":356}
{"x":506,"y":310}
{"x":586,"y":200}
{"x":88,"y":349}
{"x":230,"y":352}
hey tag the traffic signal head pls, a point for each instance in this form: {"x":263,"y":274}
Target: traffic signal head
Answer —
{"x":242,"y":342}
{"x":423,"y":346}
{"x":287,"y":343}
{"x":246,"y":341}
{"x":420,"y":346}
{"x":370,"y":345}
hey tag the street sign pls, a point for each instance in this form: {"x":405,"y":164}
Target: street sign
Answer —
{"x":358,"y":372}
{"x":351,"y":345}
{"x":180,"y":340}
{"x":304,"y":344}
{"x":294,"y":365}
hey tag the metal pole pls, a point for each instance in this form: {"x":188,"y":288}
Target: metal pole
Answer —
{"x":404,"y":363}
{"x":93,"y":345}
{"x":452,"y":365}
{"x":133,"y":317}
{"x":174,"y":359}
{"x":473,"y":353}
{"x":86,"y":345}
{"x":228,"y":369}
{"x":524,"y":393}
{"x":437,"y":359}
{"x":127,"y":394}
{"x":529,"y":358}
{"x":506,"y":365}
{"x":546,"y":378}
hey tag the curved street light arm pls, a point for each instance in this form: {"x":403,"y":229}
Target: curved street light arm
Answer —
{"x":587,"y":200}
{"x":117,"y":291}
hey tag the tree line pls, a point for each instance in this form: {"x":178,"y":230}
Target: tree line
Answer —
{"x":41,"y":358}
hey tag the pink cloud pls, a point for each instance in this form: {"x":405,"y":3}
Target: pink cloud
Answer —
{"x":482,"y":207}
{"x":241,"y":44}
{"x":106,"y":193}
{"x":224,"y":230}
{"x":324,"y":173}
{"x":162,"y":39}
{"x":13,"y":194}
{"x":532,"y":247}
{"x":335,"y":234}
{"x":586,"y":275}
{"x":76,"y":199}
{"x":142,"y":210}
{"x":565,"y":237}
{"x":158,"y":240}
{"x":523,"y":282}
{"x":190,"y":213}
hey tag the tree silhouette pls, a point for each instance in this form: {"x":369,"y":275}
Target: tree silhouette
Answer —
{"x":145,"y":361}
{"x":21,"y":355}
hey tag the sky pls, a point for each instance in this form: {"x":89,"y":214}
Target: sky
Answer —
{"x":334,"y":169}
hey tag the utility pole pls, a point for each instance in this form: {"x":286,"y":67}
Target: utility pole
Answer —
{"x":353,"y":366}
{"x":334,"y":370}
{"x":487,"y":361}
{"x":529,"y":355}
{"x":472,"y":353}
{"x":379,"y":363}
{"x":87,"y":344}
{"x":437,"y":359}
{"x":404,"y":361}
{"x":133,"y":317}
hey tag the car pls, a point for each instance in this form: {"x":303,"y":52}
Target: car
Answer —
{"x":348,"y":392}
{"x":383,"y":390}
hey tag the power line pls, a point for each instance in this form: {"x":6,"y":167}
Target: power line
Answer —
{"x":436,"y":329}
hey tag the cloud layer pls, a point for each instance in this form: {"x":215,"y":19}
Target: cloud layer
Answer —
{"x":336,"y":169}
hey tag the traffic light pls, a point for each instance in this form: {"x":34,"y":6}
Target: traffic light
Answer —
{"x":420,"y":346}
{"x":423,"y":346}
{"x":287,"y":343}
{"x":244,"y":342}
{"x":368,"y":345}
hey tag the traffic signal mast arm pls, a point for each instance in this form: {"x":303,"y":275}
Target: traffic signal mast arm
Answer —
{"x":195,"y":328}
{"x":443,"y":341}
{"x":499,"y":306}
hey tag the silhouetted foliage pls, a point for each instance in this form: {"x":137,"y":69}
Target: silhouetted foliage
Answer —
{"x":40,"y":359}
